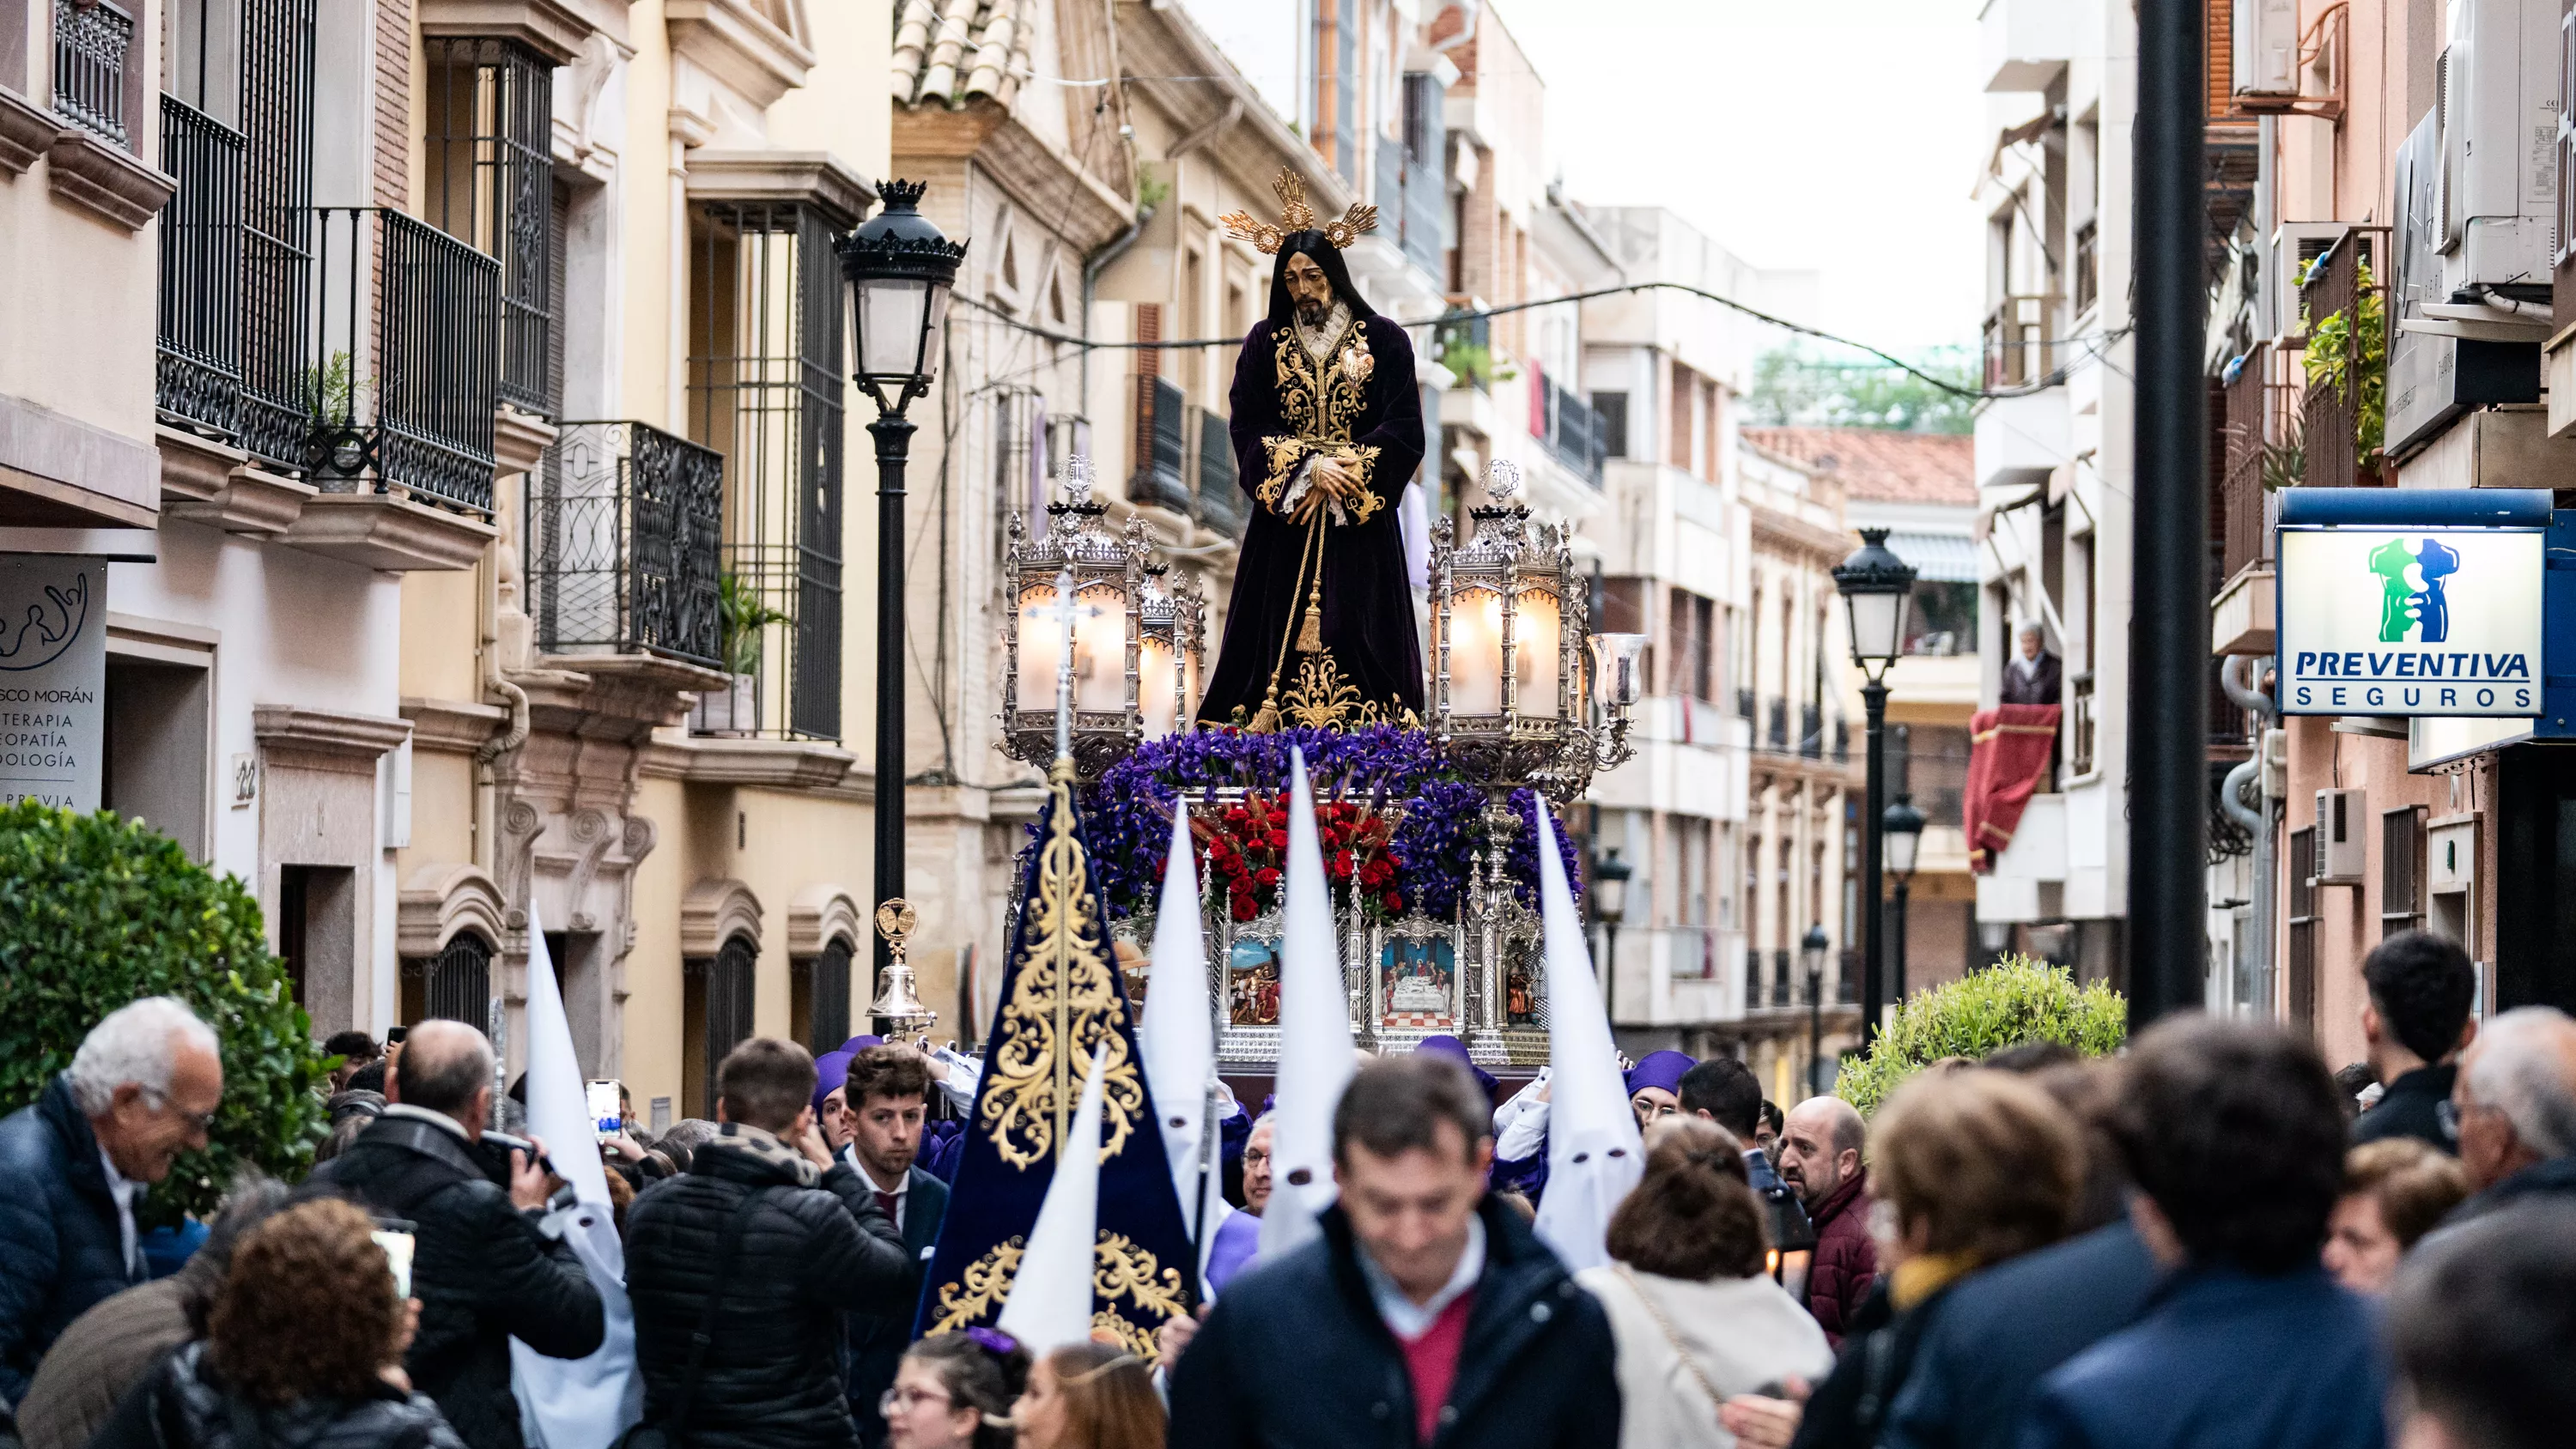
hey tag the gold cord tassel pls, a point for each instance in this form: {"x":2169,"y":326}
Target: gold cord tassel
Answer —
{"x":1310,"y":635}
{"x":1266,"y":722}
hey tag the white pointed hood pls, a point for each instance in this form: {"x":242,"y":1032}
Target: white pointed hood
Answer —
{"x":1594,"y":1155}
{"x":1177,"y":1037}
{"x":1050,"y":1299}
{"x":1316,"y":1059}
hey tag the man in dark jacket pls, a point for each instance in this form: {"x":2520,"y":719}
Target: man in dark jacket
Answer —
{"x":886,"y":1096}
{"x":483,"y":1270}
{"x":141,"y":1090}
{"x":2235,"y":1141}
{"x":2516,"y":1099}
{"x":1426,"y":1315}
{"x":2483,"y":1328}
{"x":2416,"y":1021}
{"x":1726,"y":1092}
{"x":813,"y":1244}
{"x":1820,"y":1148}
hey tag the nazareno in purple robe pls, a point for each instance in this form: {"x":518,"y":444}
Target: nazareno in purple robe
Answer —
{"x":1370,"y":648}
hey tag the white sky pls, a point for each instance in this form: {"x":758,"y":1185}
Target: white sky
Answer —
{"x":1838,"y":135}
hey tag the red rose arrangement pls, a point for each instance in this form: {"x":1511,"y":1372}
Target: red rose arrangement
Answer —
{"x":1246,"y":854}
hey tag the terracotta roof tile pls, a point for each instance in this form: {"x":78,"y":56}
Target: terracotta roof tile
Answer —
{"x":952,"y":51}
{"x":1880,"y":464}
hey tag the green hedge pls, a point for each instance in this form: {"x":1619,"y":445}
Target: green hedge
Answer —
{"x":2014,"y":1001}
{"x":96,"y":911}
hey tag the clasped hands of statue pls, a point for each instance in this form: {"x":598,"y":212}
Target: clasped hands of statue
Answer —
{"x":1335,"y":480}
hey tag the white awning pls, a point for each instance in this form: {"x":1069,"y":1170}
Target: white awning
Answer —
{"x":1940,"y":558}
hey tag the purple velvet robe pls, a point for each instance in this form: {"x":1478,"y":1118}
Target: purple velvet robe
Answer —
{"x":1285,"y":409}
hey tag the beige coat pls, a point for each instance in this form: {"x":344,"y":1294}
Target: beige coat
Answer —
{"x":1743,"y":1333}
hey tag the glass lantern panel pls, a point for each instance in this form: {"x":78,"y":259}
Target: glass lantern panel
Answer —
{"x":1475,"y":652}
{"x":1900,"y":849}
{"x":890,"y":325}
{"x":1041,"y":647}
{"x":1538,"y":653}
{"x":1876,"y":624}
{"x":1100,"y":649}
{"x":930,"y":333}
{"x":1157,"y":686}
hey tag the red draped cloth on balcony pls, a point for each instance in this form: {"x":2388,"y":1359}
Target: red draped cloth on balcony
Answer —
{"x":2008,"y":751}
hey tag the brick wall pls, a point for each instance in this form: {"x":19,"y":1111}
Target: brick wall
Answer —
{"x":393,"y":103}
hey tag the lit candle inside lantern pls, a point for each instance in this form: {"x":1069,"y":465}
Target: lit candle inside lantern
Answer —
{"x":1537,"y":653}
{"x":1157,"y":686}
{"x":1100,"y":650}
{"x":1041,"y":647}
{"x":1476,"y":652}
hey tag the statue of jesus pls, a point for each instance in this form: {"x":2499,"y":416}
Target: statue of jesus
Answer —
{"x":1327,"y":430}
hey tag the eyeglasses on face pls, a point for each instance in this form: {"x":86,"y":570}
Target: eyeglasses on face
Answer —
{"x":894,"y":1402}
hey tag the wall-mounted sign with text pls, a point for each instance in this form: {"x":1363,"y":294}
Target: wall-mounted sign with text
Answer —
{"x":2411,"y":601}
{"x":53,"y":678}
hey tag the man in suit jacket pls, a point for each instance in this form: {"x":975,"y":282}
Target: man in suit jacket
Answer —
{"x":884,"y":1100}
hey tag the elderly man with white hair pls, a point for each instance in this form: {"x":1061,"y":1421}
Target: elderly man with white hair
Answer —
{"x":2516,"y":1100}
{"x":142,"y":1089}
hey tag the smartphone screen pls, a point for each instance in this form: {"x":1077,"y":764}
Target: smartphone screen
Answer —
{"x":605,"y":1113}
{"x":397,"y":1243}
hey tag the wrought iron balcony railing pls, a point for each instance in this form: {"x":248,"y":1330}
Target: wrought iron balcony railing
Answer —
{"x":1221,"y":504}
{"x":1569,"y":427}
{"x":1777,"y":734}
{"x":199,"y":383}
{"x":402,"y":374}
{"x":1811,"y":731}
{"x":624,"y":538}
{"x":93,"y":44}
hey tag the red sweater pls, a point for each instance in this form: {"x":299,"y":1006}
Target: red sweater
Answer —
{"x":1431,"y":1361}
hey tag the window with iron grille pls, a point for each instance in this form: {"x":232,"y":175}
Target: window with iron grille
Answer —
{"x":2301,"y":866}
{"x":715,"y":1007}
{"x":489,"y":182}
{"x":2401,"y":870}
{"x":818,"y":1009}
{"x":455,"y":984}
{"x":764,"y":390}
{"x":1222,"y":506}
{"x":278,"y":225}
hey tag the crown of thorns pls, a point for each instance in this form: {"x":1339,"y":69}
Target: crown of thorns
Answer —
{"x":1296,"y":216}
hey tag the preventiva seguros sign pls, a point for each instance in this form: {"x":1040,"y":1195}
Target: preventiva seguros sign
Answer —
{"x":2396,"y":620}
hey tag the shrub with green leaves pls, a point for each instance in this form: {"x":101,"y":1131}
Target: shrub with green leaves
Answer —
{"x":96,"y":911}
{"x":2014,"y":1001}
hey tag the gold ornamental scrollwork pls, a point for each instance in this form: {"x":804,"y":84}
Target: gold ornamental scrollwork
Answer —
{"x":1121,"y":1272}
{"x":1064,"y":1003}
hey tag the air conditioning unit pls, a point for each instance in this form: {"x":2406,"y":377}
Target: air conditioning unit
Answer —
{"x":2440,"y":365}
{"x":2265,"y":62}
{"x":2343,"y":831}
{"x":2497,"y":97}
{"x":2294,"y":245}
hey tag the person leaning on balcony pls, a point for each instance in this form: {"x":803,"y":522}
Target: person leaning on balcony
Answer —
{"x":2033,"y":675}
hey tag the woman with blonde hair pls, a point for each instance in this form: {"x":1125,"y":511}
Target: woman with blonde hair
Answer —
{"x":1966,"y":1169}
{"x":1090,"y":1396}
{"x":2394,"y":1191}
{"x":1695,"y":1317}
{"x":304,"y":1347}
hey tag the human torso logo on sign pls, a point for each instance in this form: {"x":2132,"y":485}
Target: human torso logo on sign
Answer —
{"x":2410,"y":621}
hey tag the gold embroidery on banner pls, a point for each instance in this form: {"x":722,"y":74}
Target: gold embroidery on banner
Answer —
{"x":1064,"y":1002}
{"x":1119,"y":1270}
{"x":980,"y":1289}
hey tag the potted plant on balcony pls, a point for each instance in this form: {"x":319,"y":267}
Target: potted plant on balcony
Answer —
{"x":742,"y":615}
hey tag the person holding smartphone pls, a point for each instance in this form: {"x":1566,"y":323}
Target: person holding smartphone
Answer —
{"x":482,"y":1270}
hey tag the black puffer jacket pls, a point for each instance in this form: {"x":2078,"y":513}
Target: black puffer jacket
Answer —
{"x":1295,"y":1356}
{"x":482,"y":1271}
{"x":181,"y":1405}
{"x":808,"y":1253}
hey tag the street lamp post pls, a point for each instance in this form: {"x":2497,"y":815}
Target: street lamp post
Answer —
{"x":1877,"y":589}
{"x":1609,"y":906}
{"x":1811,"y":954}
{"x":900,"y":268}
{"x":1903,"y":827}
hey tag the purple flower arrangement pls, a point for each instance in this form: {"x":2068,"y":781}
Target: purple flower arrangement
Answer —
{"x":1127,"y":813}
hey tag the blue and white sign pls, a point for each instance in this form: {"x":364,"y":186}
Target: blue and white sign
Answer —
{"x":53,"y":678}
{"x":2412,"y":602}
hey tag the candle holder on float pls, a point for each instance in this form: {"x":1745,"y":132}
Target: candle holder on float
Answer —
{"x":1169,"y":651}
{"x":1510,"y":701}
{"x":1078,"y":568}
